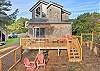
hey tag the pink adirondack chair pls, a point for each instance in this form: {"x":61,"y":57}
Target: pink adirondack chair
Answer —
{"x":40,"y":61}
{"x":29,"y":66}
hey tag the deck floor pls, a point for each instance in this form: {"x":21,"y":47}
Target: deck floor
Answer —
{"x":55,"y":63}
{"x":90,"y":62}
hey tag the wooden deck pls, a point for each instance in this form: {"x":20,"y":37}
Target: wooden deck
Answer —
{"x":60,"y":63}
{"x":73,"y":46}
{"x":55,"y":63}
{"x":73,"y":54}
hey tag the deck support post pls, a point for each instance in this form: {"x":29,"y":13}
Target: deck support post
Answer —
{"x":58,"y":51}
{"x":39,"y":50}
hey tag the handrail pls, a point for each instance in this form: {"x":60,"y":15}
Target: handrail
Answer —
{"x":14,"y":58}
{"x":8,"y":53}
{"x":5,"y":49}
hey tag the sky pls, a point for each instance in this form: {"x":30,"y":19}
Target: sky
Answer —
{"x":76,"y":7}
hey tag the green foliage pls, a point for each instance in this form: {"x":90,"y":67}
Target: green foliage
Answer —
{"x":18,"y":26}
{"x":12,"y":41}
{"x":97,"y":28}
{"x":4,"y":7}
{"x":85,"y":23}
{"x":13,"y":17}
{"x":97,"y":36}
{"x":87,"y":37}
{"x":5,"y":19}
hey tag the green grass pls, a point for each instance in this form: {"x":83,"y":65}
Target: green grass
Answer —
{"x":12,"y":41}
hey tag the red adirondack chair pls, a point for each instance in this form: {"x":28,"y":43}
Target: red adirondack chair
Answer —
{"x":40,"y":61}
{"x":29,"y":65}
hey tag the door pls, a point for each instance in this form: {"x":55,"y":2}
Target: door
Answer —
{"x":39,"y":32}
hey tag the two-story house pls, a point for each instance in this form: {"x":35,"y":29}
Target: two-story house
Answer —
{"x":48,"y":20}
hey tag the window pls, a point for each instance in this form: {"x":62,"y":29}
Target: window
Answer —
{"x":39,"y":32}
{"x":43,"y":15}
{"x":50,"y":9}
{"x":38,"y":12}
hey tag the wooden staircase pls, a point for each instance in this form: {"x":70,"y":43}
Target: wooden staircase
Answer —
{"x":75,"y":51}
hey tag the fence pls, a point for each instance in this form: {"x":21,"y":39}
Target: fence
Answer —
{"x":90,"y":37}
{"x":10,"y":59}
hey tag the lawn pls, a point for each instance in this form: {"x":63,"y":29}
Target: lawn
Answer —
{"x":12,"y":41}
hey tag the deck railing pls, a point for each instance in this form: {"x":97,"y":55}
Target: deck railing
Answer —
{"x":10,"y":59}
{"x":43,"y":43}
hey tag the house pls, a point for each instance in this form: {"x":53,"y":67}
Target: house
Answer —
{"x":2,"y":35}
{"x":48,"y":20}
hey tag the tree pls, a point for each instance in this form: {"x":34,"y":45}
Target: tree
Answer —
{"x":13,"y":17}
{"x":4,"y":18}
{"x":18,"y":26}
{"x":4,"y":7}
{"x":85,"y":23}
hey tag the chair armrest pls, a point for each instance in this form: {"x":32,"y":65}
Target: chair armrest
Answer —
{"x":27,"y":66}
{"x":44,"y":61}
{"x":32,"y":62}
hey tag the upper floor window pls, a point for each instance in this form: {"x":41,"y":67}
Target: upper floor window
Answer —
{"x":43,"y":15}
{"x":50,"y":9}
{"x":38,"y":12}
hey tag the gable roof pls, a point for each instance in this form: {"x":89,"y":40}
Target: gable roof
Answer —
{"x":55,"y":4}
{"x":38,"y":3}
{"x":65,"y":11}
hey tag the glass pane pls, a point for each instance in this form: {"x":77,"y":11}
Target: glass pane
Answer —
{"x":42,"y":32}
{"x":0,"y":35}
{"x":38,"y":12}
{"x":37,"y":32}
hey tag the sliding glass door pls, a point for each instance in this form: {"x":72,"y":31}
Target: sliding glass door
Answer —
{"x":39,"y":32}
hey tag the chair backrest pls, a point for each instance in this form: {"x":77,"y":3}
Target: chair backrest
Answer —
{"x":40,"y":57}
{"x":26,"y":61}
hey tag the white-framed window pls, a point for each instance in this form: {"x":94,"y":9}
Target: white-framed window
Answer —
{"x":38,"y":32}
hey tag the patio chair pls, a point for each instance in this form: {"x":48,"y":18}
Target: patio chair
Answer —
{"x":29,"y":65}
{"x":40,"y":61}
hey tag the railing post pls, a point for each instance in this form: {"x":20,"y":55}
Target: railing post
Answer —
{"x":91,"y":43}
{"x":15,"y":57}
{"x":21,"y":51}
{"x":81,"y":39}
{"x":92,"y":39}
{"x":81,"y":53}
{"x":0,"y":64}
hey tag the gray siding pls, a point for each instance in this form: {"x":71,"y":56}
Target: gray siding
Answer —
{"x":65,"y":17}
{"x":53,"y":30}
{"x":54,"y":14}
